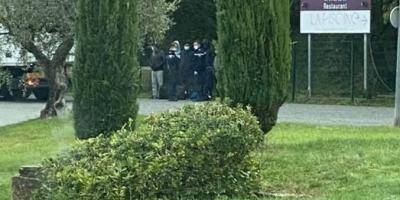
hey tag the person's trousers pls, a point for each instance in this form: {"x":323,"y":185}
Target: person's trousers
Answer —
{"x":199,"y":86}
{"x":157,"y":79}
{"x":172,"y":90}
{"x":209,"y":81}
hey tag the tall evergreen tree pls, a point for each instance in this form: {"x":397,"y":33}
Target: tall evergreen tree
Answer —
{"x":255,"y":55}
{"x":106,"y":69}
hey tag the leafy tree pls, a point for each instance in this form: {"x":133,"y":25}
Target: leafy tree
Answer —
{"x":106,"y":76}
{"x":254,"y":51}
{"x":155,"y":19}
{"x":45,"y":29}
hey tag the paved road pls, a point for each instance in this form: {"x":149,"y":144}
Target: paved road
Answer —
{"x":14,"y":112}
{"x":337,"y":115}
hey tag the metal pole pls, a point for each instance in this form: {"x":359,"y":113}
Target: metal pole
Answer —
{"x":352,"y":72}
{"x":397,"y":100}
{"x":365,"y":66}
{"x":309,"y":89}
{"x":293,"y":72}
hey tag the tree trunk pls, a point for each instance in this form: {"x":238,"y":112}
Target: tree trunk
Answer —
{"x":62,"y":83}
{"x":57,"y":89}
{"x":50,"y":109}
{"x":53,"y":69}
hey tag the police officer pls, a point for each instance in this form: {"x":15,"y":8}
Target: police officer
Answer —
{"x":199,"y":68}
{"x":173,"y":73}
{"x":209,"y":75}
{"x":186,"y":69}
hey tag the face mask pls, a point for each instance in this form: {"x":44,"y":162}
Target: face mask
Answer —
{"x":196,"y":47}
{"x":187,"y":48}
{"x":174,"y":49}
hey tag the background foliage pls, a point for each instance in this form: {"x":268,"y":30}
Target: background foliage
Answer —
{"x":193,"y":19}
{"x":155,"y":20}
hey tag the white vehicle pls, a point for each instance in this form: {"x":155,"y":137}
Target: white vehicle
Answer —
{"x":24,"y":76}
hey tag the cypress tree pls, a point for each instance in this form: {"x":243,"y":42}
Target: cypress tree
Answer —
{"x":106,"y":74}
{"x":254,"y":54}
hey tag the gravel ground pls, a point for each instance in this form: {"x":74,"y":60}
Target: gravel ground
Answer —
{"x":14,"y":112}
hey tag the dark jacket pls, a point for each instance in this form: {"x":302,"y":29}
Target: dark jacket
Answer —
{"x":157,"y":61}
{"x":199,"y":60}
{"x":209,"y":54}
{"x":209,"y":58}
{"x":172,"y":64}
{"x":186,"y":63}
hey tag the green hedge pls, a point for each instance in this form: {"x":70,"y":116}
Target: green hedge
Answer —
{"x":198,"y":152}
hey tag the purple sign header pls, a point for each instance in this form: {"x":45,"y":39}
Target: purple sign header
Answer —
{"x":322,"y":5}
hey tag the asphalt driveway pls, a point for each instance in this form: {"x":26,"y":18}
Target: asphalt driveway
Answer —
{"x":14,"y":112}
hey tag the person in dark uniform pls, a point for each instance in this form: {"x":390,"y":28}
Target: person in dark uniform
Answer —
{"x":199,"y":68}
{"x":186,"y":69}
{"x":173,"y":73}
{"x":209,"y":75}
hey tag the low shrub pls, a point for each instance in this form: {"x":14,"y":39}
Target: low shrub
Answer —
{"x":198,"y":152}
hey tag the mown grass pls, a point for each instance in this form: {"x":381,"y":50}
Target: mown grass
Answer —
{"x":333,"y":162}
{"x":29,"y":143}
{"x":316,"y":162}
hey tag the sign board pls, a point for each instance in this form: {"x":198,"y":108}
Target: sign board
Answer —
{"x":335,"y":16}
{"x":394,"y":17}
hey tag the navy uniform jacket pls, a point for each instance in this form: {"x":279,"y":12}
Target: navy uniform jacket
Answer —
{"x":186,"y":63}
{"x":172,"y":63}
{"x":209,"y":58}
{"x":199,"y":60}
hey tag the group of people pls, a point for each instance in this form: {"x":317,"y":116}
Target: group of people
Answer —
{"x":189,"y":71}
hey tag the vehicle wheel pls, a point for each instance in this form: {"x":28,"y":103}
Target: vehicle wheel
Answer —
{"x":17,"y":94}
{"x":5,"y":93}
{"x":41,"y":94}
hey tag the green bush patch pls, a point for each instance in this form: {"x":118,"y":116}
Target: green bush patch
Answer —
{"x":198,"y":152}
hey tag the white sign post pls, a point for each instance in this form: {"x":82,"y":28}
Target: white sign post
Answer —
{"x":336,"y":17}
{"x":395,"y":19}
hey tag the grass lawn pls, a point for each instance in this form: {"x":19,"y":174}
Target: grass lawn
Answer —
{"x":319,"y":162}
{"x":29,"y":143}
{"x":333,"y":162}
